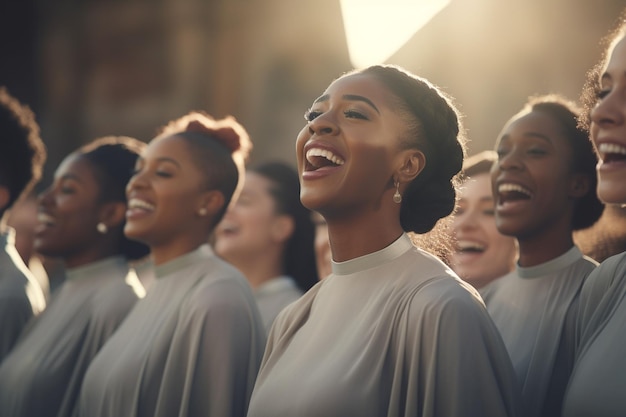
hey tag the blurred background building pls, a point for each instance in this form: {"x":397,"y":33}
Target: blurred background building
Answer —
{"x":90,"y":68}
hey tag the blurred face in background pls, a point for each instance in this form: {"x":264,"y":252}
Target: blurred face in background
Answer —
{"x":323,"y":257}
{"x":481,"y":253}
{"x":252,"y":224}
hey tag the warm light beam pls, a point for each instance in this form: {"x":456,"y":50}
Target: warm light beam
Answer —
{"x":376,"y":29}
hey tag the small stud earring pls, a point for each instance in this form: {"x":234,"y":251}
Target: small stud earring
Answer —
{"x":202,"y":212}
{"x":102,"y":228}
{"x":397,"y":197}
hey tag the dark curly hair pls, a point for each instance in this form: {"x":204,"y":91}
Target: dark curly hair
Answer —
{"x":588,"y":208}
{"x":591,"y":88}
{"x":22,"y":152}
{"x":435,"y":129}
{"x":299,"y":258}
{"x":113,"y":159}
{"x":220,"y":149}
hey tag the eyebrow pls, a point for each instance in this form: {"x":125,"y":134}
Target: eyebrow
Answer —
{"x":167,"y":159}
{"x":350,"y":97}
{"x":71,"y":177}
{"x":529,"y":135}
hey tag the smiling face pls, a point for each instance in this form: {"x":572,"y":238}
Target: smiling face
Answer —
{"x":165,"y":196}
{"x":69,"y":211}
{"x":249,"y":227}
{"x":608,"y":127}
{"x":481,"y":253}
{"x":532,"y":178}
{"x":346,"y":152}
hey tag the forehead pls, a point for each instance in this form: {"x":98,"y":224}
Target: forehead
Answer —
{"x":476,"y":187}
{"x":77,"y":166}
{"x":173,"y":147}
{"x":533,"y":124}
{"x":256,"y":183}
{"x":364,"y":85}
{"x":617,"y":58}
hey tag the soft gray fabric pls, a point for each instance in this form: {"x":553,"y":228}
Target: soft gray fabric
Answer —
{"x":393,"y":333}
{"x":191,"y":347}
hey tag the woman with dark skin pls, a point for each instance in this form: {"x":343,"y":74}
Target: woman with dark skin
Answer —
{"x":392,"y":331}
{"x":543,"y":183}
{"x":596,"y":387}
{"x":269,"y":235}
{"x":80,"y":221}
{"x":193,"y":345}
{"x":22,"y":155}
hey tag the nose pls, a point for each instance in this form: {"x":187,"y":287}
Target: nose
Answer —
{"x":464,"y":221}
{"x":45,"y":197}
{"x":136,"y":181}
{"x":324,"y":124}
{"x":609,"y":111}
{"x":507,"y":161}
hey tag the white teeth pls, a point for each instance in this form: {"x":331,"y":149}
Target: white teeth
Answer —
{"x":324,"y":153}
{"x":469,"y":245}
{"x":507,"y":187}
{"x":607,"y":148}
{"x":45,"y":218}
{"x":137,"y":203}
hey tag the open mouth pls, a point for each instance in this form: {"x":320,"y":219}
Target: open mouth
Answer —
{"x":469,"y":247}
{"x":508,"y":192}
{"x":321,"y":158}
{"x":45,"y":219}
{"x":135,"y":203}
{"x":612,"y":152}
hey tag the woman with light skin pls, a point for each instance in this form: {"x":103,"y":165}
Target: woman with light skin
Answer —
{"x":268,"y":235}
{"x":543,"y":183}
{"x":480,"y":253}
{"x":80,"y":221}
{"x":596,"y":387}
{"x":193,"y":345}
{"x":391,"y":331}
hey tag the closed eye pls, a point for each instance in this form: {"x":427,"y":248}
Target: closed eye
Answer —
{"x":311,"y":115}
{"x":353,"y":114}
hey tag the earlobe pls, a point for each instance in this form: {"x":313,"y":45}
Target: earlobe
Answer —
{"x":211,"y":203}
{"x":579,"y":186}
{"x":414,"y":162}
{"x":283,"y":228}
{"x":113,"y":214}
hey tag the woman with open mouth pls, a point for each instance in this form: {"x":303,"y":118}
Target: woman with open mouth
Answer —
{"x":480,"y":253}
{"x":544,"y":183}
{"x":80,"y":221}
{"x":596,"y":387}
{"x":392,"y":331}
{"x":193,"y":345}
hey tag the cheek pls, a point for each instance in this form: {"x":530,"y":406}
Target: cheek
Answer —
{"x":301,"y":140}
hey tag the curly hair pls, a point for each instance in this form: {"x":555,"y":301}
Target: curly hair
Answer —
{"x":220,"y":149}
{"x":22,"y":152}
{"x":436,"y":130}
{"x":591,"y":88}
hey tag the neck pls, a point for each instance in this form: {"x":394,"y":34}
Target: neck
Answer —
{"x":259,"y":269}
{"x":540,"y":249}
{"x":351,"y":237}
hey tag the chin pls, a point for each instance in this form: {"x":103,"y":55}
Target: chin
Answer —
{"x":612,"y":193}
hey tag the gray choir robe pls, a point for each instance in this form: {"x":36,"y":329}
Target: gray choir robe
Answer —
{"x":393,"y":333}
{"x":535,"y":310}
{"x":191,"y":347}
{"x":43,"y":374}
{"x":21,"y":296}
{"x":273,"y":296}
{"x":597,"y":386}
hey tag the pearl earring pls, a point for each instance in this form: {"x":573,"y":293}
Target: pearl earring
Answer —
{"x":202,"y":212}
{"x":397,"y":197}
{"x":102,"y":228}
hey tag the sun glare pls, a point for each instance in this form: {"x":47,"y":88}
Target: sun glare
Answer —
{"x":376,"y":29}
